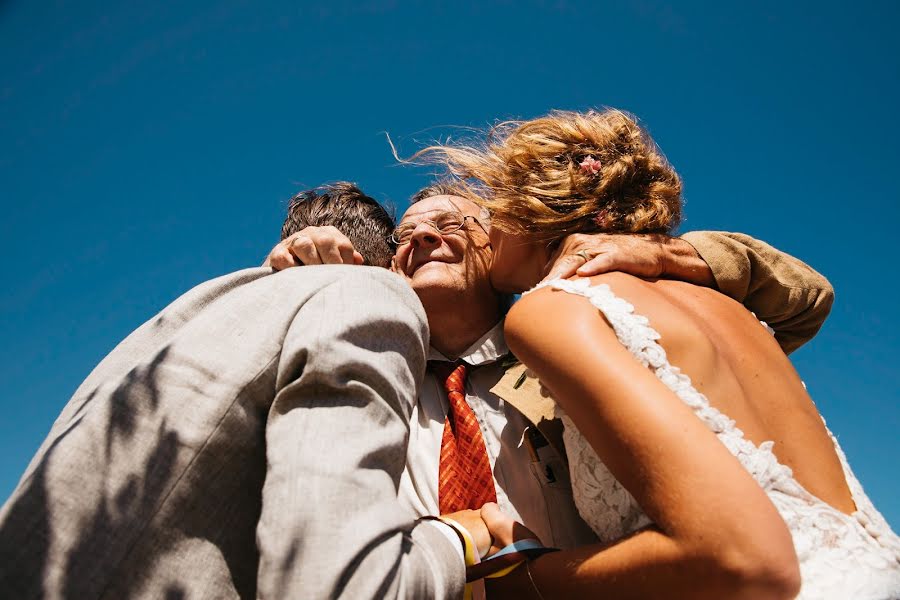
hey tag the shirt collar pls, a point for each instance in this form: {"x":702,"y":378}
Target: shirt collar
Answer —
{"x":489,"y":348}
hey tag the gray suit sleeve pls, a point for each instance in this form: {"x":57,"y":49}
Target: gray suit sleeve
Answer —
{"x":336,"y":442}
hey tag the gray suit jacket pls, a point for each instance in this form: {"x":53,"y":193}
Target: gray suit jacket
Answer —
{"x":247,"y":441}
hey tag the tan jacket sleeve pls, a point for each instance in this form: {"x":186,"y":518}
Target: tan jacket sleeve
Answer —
{"x":783,"y":291}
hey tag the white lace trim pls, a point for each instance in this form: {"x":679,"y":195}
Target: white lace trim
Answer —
{"x":817,"y":527}
{"x":636,"y":334}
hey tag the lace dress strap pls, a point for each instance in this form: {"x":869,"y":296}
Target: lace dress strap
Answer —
{"x":866,"y":514}
{"x":633,"y":330}
{"x":837,"y":551}
{"x":635,"y":333}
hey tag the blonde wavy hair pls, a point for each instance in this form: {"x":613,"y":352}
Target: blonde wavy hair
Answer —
{"x":529,"y":174}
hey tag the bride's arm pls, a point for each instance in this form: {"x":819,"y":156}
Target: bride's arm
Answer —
{"x":718,"y":534}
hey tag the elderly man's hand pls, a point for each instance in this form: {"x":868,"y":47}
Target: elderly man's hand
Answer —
{"x":491,"y":529}
{"x":313,"y":246}
{"x":641,"y":255}
{"x":503,"y":529}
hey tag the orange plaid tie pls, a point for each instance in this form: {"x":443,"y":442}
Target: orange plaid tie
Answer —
{"x":464,"y":474}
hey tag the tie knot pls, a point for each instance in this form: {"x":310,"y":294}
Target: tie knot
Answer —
{"x":453,"y":375}
{"x":456,"y":380}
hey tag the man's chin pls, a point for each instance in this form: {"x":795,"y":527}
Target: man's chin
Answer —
{"x":434,"y":276}
{"x":430,"y":271}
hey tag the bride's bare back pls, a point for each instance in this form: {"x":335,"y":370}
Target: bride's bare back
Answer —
{"x":737,"y":364}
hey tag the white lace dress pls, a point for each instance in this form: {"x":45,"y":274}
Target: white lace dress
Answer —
{"x":841,"y":556}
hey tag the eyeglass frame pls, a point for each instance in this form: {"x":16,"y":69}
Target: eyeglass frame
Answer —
{"x":434,"y":226}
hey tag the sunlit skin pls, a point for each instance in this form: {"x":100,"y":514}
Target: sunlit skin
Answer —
{"x":519,"y":261}
{"x":449,"y":273}
{"x":638,"y":427}
{"x":732,"y":348}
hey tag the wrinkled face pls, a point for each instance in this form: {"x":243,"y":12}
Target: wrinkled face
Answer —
{"x":436,"y":263}
{"x":518,"y":261}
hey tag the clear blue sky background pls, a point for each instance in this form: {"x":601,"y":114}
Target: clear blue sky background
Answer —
{"x":148,"y":146}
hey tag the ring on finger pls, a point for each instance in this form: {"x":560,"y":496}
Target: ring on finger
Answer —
{"x":583,"y":254}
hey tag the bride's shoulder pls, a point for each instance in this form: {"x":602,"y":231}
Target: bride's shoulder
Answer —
{"x":549,"y":297}
{"x":560,"y":306}
{"x":664,"y":305}
{"x":601,"y":289}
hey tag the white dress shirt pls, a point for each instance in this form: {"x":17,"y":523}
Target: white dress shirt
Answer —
{"x":532,"y":486}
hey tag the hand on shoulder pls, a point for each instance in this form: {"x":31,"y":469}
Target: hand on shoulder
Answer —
{"x":313,"y":246}
{"x":641,"y":255}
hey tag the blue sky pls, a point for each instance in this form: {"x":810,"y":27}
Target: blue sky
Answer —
{"x":147,"y":147}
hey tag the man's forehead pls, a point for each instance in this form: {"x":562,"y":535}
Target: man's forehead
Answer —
{"x":433,"y":205}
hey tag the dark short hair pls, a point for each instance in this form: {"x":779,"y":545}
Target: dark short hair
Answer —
{"x":345,"y":207}
{"x":441,"y":187}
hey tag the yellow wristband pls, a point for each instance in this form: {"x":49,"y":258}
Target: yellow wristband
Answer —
{"x":470,"y":553}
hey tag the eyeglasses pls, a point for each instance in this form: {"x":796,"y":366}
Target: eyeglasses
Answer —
{"x":444,"y":223}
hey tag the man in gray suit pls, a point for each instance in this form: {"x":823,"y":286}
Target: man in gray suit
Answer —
{"x":248,"y":441}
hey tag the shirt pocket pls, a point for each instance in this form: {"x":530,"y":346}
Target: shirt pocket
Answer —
{"x":551,"y":472}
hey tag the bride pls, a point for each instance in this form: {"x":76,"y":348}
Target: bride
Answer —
{"x":696,"y":453}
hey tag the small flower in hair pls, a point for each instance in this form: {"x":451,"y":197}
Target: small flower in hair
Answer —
{"x":590,"y":165}
{"x":601,"y":218}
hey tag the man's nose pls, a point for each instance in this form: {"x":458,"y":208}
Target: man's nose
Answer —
{"x":425,"y":236}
